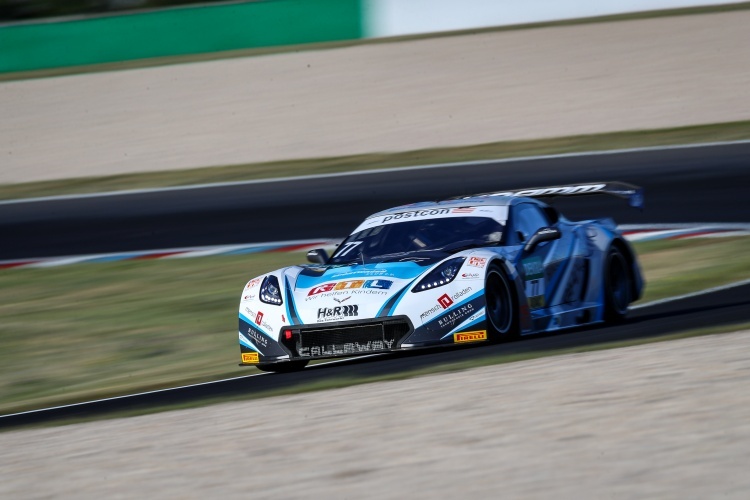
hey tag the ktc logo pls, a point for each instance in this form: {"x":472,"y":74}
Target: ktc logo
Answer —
{"x":259,"y":318}
{"x":445,"y":301}
{"x":349,"y":285}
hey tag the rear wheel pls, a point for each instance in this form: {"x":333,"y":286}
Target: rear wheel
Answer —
{"x":283,"y":367}
{"x":501,"y":311}
{"x":617,"y":294}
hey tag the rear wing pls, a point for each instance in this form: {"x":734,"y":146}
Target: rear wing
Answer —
{"x":633,"y":194}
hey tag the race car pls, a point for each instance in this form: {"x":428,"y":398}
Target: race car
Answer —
{"x":480,"y":268}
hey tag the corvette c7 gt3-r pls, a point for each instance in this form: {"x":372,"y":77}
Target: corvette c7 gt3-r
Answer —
{"x":471,"y":269}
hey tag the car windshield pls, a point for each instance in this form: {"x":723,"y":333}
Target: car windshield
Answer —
{"x":427,"y":236}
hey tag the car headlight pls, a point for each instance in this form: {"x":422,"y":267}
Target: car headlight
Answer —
{"x":270,"y":291}
{"x":441,"y":275}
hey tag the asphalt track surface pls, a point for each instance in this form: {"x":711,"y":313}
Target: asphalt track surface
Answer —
{"x":694,"y":184}
{"x":724,"y":307}
{"x":702,"y":184}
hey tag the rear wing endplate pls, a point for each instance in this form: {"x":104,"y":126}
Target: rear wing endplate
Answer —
{"x":633,"y":194}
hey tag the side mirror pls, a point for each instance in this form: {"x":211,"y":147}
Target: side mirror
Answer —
{"x":317,"y":256}
{"x":543,"y":234}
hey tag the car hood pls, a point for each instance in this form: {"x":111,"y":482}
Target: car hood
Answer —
{"x":323,"y":294}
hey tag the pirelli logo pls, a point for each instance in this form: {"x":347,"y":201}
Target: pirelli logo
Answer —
{"x":250,"y":357}
{"x":463,"y":337}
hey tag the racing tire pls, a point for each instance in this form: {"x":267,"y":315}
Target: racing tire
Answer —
{"x":283,"y":367}
{"x":617,"y":290}
{"x":501,"y":310}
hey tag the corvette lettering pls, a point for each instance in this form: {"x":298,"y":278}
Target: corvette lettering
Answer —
{"x":376,"y":284}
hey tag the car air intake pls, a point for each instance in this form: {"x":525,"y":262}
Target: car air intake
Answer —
{"x":347,"y":339}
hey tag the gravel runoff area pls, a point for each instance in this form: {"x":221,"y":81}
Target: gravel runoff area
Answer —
{"x":664,"y":420}
{"x":449,"y":91}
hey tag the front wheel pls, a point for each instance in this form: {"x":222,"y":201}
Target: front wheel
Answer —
{"x":500,"y":310}
{"x":283,"y":367}
{"x":617,"y":294}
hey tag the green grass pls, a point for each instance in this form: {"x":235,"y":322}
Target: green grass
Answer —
{"x":81,"y":332}
{"x":254,"y":52}
{"x":496,"y":150}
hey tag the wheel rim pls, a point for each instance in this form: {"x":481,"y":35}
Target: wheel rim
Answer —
{"x":618,"y":279}
{"x":499,"y":303}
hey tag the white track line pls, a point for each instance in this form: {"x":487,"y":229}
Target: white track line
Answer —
{"x":369,"y":172}
{"x":157,"y":391}
{"x":693,"y":294}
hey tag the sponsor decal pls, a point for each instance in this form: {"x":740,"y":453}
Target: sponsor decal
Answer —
{"x":283,"y":318}
{"x":534,"y":282}
{"x":347,"y":247}
{"x":470,"y":276}
{"x":250,"y":357}
{"x":583,"y":188}
{"x":456,"y":316}
{"x":342,"y":300}
{"x":367,"y":272}
{"x":253,"y":283}
{"x":258,"y":318}
{"x":257,"y":337}
{"x":248,"y":297}
{"x":347,"y":348}
{"x":376,"y":284}
{"x":463,"y":210}
{"x":416,"y":213}
{"x":429,"y":312}
{"x":533,"y":268}
{"x":477,"y":262}
{"x":463,"y":337}
{"x":338,"y":312}
{"x":460,"y":294}
{"x":445,"y":301}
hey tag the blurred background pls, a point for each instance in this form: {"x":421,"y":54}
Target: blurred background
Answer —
{"x":17,"y":10}
{"x":146,"y":148}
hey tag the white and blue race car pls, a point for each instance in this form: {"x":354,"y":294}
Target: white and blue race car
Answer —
{"x":472,"y":269}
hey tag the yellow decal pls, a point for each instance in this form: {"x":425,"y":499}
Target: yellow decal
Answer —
{"x":250,"y":357}
{"x":462,"y":337}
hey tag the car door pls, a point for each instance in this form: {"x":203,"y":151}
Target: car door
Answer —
{"x":546,"y":270}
